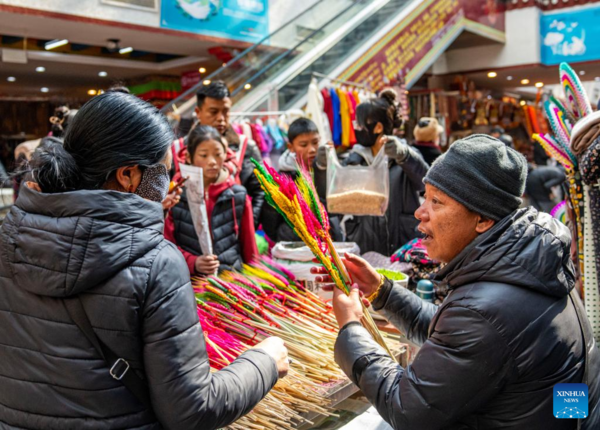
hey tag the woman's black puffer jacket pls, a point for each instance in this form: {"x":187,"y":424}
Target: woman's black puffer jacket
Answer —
{"x":108,"y":248}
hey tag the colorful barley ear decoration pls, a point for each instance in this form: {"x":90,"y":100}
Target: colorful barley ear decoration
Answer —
{"x":299,"y":204}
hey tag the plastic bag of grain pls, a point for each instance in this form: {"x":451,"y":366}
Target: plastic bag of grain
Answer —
{"x":358,"y":190}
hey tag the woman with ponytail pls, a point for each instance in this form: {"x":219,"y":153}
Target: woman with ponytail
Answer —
{"x":99,"y":321}
{"x":376,"y":120}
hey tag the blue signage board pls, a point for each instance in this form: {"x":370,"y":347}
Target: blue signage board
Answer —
{"x":570,"y":35}
{"x":246,"y":20}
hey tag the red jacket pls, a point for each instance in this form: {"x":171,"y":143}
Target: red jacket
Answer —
{"x":246,"y":234}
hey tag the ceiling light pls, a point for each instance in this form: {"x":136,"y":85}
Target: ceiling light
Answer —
{"x":581,"y":72}
{"x":509,"y":78}
{"x":55,"y":44}
{"x":539,"y":84}
{"x":202,"y":70}
{"x":224,"y":64}
{"x":11,"y":79}
{"x":492,"y":74}
{"x":102,"y":74}
{"x":100,"y":92}
{"x":247,"y":86}
{"x":92,"y":92}
{"x":40,"y":69}
{"x":126,"y":50}
{"x":524,"y":81}
{"x":523,"y":103}
{"x":206,"y":82}
{"x":44,"y":89}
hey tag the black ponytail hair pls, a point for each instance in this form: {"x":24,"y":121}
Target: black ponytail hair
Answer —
{"x":55,"y":171}
{"x":202,"y":133}
{"x":110,"y":131}
{"x":383,"y":109}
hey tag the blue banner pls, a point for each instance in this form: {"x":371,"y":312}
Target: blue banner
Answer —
{"x":570,"y":36}
{"x":246,"y":20}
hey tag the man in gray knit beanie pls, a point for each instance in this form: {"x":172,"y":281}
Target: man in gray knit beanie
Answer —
{"x":483,"y":174}
{"x":510,"y":330}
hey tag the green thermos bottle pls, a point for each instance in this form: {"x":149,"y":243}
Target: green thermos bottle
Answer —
{"x":425,"y":290}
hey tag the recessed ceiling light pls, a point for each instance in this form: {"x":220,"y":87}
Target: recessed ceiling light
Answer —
{"x":202,"y":70}
{"x":102,"y":74}
{"x":492,"y":74}
{"x":44,"y":89}
{"x":92,"y":92}
{"x":126,"y":50}
{"x":582,"y":72}
{"x":206,"y":82}
{"x":539,"y":84}
{"x":11,"y":79}
{"x":523,"y":103}
{"x":55,"y":44}
{"x":524,"y":81}
{"x":247,"y":86}
{"x":509,"y":78}
{"x":40,"y":69}
{"x":224,"y":64}
{"x":100,"y":92}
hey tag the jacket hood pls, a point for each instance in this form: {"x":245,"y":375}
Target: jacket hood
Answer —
{"x":287,"y":162}
{"x":63,"y":244}
{"x":528,"y":249}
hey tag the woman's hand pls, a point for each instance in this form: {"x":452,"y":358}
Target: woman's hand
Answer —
{"x":361,"y":272}
{"x":347,"y":308}
{"x":172,"y":199}
{"x":275,"y":347}
{"x":207,"y":264}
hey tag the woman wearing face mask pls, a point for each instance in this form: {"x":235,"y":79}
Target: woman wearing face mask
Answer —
{"x":99,"y":321}
{"x":376,"y":120}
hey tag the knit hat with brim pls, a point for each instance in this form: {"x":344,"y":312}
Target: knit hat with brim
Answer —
{"x":483,"y":174}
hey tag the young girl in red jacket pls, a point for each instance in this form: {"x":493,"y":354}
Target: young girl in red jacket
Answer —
{"x":227,"y":205}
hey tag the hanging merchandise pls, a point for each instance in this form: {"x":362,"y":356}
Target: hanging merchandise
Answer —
{"x":337,"y":107}
{"x":576,"y":146}
{"x":336,"y":131}
{"x":266,"y":136}
{"x":315,"y":110}
{"x":358,"y":190}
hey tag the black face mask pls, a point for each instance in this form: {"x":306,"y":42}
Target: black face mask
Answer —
{"x":365,"y":136}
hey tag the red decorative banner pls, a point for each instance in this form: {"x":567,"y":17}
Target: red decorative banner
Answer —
{"x":417,"y":41}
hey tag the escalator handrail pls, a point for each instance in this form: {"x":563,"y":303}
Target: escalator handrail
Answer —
{"x":242,"y":54}
{"x":289,"y":51}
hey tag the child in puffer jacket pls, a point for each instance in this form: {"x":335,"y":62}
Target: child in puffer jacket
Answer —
{"x":227,"y":205}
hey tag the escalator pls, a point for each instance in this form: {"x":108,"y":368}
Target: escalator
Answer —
{"x":275,"y":72}
{"x":293,"y":86}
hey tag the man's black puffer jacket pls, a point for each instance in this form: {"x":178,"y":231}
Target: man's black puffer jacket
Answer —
{"x":108,"y":248}
{"x":493,"y":351}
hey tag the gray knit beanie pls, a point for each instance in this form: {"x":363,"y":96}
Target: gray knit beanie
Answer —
{"x":483,"y":174}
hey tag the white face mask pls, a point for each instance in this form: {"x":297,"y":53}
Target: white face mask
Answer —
{"x":155,"y":183}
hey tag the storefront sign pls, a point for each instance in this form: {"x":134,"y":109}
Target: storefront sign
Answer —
{"x":569,"y":36}
{"x":246,"y":20}
{"x":412,"y":45}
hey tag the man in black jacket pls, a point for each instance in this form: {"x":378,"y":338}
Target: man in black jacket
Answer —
{"x":213,"y":108}
{"x":512,"y":326}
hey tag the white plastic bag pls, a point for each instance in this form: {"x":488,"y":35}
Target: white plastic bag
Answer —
{"x":194,"y":190}
{"x":358,"y":190}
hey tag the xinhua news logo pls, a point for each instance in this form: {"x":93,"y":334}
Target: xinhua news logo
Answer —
{"x":570,"y":401}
